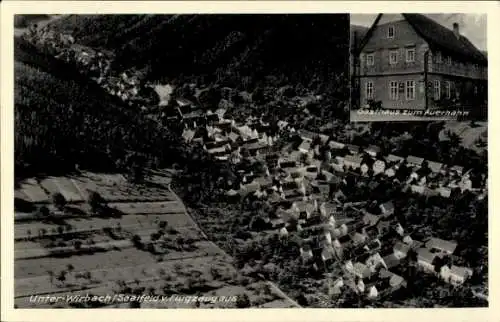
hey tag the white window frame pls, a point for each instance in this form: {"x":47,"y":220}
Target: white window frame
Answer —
{"x":439,"y":58}
{"x":437,"y":89}
{"x":410,"y":84}
{"x":448,"y":60}
{"x":410,"y":50}
{"x":370,"y":59}
{"x":448,"y":89}
{"x":369,"y":94}
{"x":394,"y":90}
{"x":389,"y":29}
{"x":395,"y":61}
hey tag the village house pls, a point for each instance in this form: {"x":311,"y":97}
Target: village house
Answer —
{"x":353,"y":149}
{"x":361,"y":270}
{"x":444,"y":192}
{"x":352,"y":162}
{"x":334,"y":145}
{"x":387,"y":209}
{"x":457,"y":170}
{"x":390,"y":172}
{"x":306,"y":253}
{"x":378,"y":167}
{"x":394,"y":159}
{"x":391,"y":261}
{"x":441,"y":245}
{"x":425,"y":259}
{"x":401,"y":250}
{"x":410,"y":61}
{"x":372,"y":151}
{"x":413,"y":161}
{"x":370,"y":219}
{"x":435,"y":167}
{"x":455,"y":275}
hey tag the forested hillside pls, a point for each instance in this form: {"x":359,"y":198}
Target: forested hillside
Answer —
{"x":63,"y":119}
{"x":307,"y":49}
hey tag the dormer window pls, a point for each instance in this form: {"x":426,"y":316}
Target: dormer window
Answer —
{"x":390,"y":32}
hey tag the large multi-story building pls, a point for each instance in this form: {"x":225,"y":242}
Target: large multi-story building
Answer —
{"x":409,"y":61}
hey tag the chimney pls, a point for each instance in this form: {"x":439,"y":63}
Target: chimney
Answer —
{"x":456,"y":30}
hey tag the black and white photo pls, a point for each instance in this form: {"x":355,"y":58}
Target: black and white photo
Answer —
{"x":250,"y":160}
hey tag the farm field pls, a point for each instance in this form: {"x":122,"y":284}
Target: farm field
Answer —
{"x":151,"y":244}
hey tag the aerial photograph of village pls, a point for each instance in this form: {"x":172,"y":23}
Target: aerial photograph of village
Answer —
{"x":212,"y":161}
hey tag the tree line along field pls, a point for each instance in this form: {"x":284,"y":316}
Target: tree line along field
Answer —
{"x":149,"y":247}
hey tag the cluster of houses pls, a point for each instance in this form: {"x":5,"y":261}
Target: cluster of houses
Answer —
{"x":301,"y":184}
{"x":424,"y":177}
{"x":97,"y":63}
{"x":370,"y":247}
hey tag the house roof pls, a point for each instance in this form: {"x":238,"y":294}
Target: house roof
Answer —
{"x":353,"y":147}
{"x":414,"y":160}
{"x":353,"y":159}
{"x":457,"y":168}
{"x":388,"y":206}
{"x":336,"y":145}
{"x":391,"y":261}
{"x":437,"y":36}
{"x":425,"y":255}
{"x":373,"y":148}
{"x":305,"y":145}
{"x":402,"y":247}
{"x":458,"y":270}
{"x":435,"y":166}
{"x":327,"y":253}
{"x":362,"y":270}
{"x":233,"y":136}
{"x":443,"y":38}
{"x":371,"y":218}
{"x":307,"y":135}
{"x":441,"y":244}
{"x":394,"y":158}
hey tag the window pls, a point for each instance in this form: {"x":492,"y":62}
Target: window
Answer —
{"x":390,"y":32}
{"x":448,"y":89}
{"x":410,"y":90}
{"x":370,"y":59}
{"x":393,"y":87}
{"x":448,"y":60}
{"x":438,"y":58}
{"x":369,"y":90}
{"x":437,"y":90}
{"x":393,"y":57}
{"x":410,"y":55}
{"x":475,"y":90}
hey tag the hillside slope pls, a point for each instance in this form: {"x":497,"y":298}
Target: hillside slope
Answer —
{"x":302,"y":48}
{"x":63,"y":119}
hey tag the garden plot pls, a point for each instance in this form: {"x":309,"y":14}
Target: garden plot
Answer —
{"x":33,"y":191}
{"x":164,"y":207}
{"x":65,"y":186}
{"x":106,"y":279}
{"x":121,"y":258}
{"x":114,"y":188}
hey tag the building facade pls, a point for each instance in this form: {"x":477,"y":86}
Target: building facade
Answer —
{"x":408,"y":61}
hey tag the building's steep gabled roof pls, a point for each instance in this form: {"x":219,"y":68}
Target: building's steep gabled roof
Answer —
{"x":437,"y":36}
